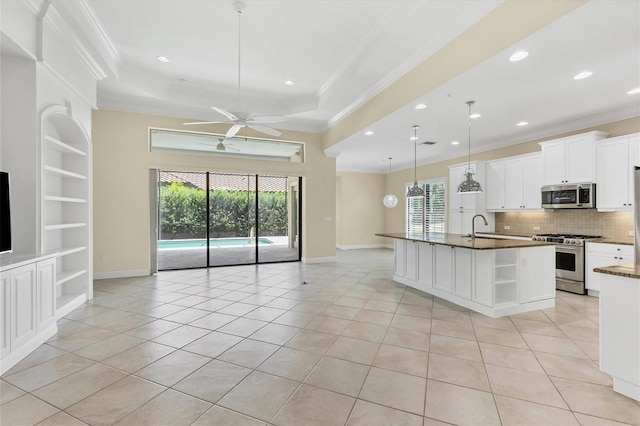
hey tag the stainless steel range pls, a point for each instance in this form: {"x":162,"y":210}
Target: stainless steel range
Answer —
{"x":569,"y":260}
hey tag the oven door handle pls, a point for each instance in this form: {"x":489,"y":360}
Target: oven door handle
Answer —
{"x":568,"y":248}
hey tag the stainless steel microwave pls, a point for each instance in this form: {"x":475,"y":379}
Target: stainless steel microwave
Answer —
{"x":569,"y":196}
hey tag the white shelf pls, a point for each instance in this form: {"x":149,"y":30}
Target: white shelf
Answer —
{"x":67,"y":251}
{"x":64,"y":172}
{"x":64,"y":199}
{"x":64,"y":226}
{"x":65,"y":276}
{"x":67,"y":302}
{"x":63,"y":147}
{"x":506,"y":265}
{"x":503,"y":282}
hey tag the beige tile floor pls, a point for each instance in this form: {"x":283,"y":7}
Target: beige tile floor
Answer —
{"x":252,"y":345}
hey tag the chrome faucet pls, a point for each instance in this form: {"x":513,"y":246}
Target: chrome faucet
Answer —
{"x":473,"y":224}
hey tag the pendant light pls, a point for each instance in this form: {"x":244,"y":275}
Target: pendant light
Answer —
{"x":390,"y":200}
{"x":469,"y":185}
{"x":415,"y":190}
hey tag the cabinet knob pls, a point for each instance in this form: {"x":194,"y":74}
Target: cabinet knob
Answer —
{"x":615,"y":257}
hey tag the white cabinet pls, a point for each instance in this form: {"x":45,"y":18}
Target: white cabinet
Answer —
{"x":462,"y":207}
{"x":494,"y":282}
{"x":27,"y":307}
{"x":66,"y":206}
{"x":513,"y":183}
{"x":616,"y":159}
{"x":443,"y":264}
{"x":571,"y":159}
{"x":620,"y":333}
{"x":426,"y":253}
{"x":5,"y":312}
{"x":600,"y":255}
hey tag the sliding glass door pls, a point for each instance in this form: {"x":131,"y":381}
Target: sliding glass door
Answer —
{"x":216,"y":219}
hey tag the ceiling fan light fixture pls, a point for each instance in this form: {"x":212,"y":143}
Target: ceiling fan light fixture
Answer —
{"x":469,"y":185}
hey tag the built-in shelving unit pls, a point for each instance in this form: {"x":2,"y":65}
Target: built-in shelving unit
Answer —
{"x":505,"y":277}
{"x":66,"y":206}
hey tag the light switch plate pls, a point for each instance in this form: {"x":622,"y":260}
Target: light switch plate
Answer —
{"x":631,"y":234}
{"x":507,"y":227}
{"x":536,"y":228}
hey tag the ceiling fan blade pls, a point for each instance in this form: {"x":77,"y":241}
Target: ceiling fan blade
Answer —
{"x":204,"y":122}
{"x":267,"y":119}
{"x":230,"y":116}
{"x":264,"y":129}
{"x":233,"y":130}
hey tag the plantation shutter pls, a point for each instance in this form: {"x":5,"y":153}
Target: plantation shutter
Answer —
{"x":434,"y":218}
{"x":415,"y":215}
{"x":427,"y":214}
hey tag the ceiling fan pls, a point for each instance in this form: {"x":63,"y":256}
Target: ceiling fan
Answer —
{"x":220,"y":146}
{"x":236,"y":120}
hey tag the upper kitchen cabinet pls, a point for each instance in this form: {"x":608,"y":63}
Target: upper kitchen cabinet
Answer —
{"x":513,"y":184}
{"x":571,"y":159}
{"x":616,"y":158}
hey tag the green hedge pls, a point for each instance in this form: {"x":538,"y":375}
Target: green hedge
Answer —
{"x":183,"y":210}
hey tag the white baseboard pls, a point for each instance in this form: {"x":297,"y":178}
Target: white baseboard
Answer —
{"x":319,"y":259}
{"x":121,"y":274}
{"x":364,"y":246}
{"x":20,"y":353}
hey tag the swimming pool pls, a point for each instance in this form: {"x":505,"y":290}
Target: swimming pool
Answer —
{"x":214,"y":242}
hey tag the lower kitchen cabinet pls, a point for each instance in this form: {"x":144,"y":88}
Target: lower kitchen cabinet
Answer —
{"x":27,"y":307}
{"x":600,"y":255}
{"x":493,"y":282}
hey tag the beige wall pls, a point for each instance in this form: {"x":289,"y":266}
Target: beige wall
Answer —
{"x":122,"y":160}
{"x":359,"y":209}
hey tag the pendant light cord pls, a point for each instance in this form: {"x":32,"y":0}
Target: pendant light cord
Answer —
{"x":469,"y":103}
{"x":415,"y":153}
{"x":239,"y":58}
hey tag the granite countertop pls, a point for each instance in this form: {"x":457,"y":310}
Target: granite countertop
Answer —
{"x":627,"y":241}
{"x":464,"y":241}
{"x":628,"y":270}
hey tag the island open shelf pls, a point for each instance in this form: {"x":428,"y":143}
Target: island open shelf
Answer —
{"x":495,"y":277}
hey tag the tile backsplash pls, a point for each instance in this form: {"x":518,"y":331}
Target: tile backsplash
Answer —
{"x":614,"y":225}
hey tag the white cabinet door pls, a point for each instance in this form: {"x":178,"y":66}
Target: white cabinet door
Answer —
{"x":399,"y":248}
{"x":495,"y":187}
{"x":581,"y":160}
{"x":425,"y":265}
{"x":597,"y":260}
{"x":532,"y":177}
{"x":444,"y":268}
{"x":513,"y":184}
{"x":23,"y":304}
{"x":5,"y":313}
{"x":463,"y":272}
{"x":553,"y":158}
{"x":613,"y":178}
{"x":454,"y":224}
{"x":46,"y":294}
{"x":411,"y":265}
{"x":457,"y":201}
{"x":634,"y":160}
{"x":465,"y":219}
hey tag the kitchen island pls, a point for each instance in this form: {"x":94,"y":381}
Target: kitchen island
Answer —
{"x":620,"y":327}
{"x":495,"y":277}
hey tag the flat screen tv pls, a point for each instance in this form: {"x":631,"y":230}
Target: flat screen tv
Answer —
{"x":5,"y":214}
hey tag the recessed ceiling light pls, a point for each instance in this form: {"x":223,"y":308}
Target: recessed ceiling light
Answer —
{"x":289,"y":83}
{"x":455,"y":143}
{"x":368,"y":132}
{"x":163,"y":59}
{"x":421,"y":106}
{"x":522,"y":123}
{"x":583,"y":74}
{"x":634,"y":91}
{"x":475,"y":115}
{"x":518,"y":56}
